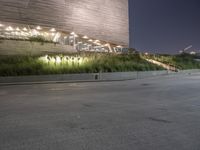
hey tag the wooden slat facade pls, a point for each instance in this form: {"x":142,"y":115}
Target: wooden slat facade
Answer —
{"x":101,"y":19}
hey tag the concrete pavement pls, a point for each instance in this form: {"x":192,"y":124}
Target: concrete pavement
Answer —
{"x":149,"y":114}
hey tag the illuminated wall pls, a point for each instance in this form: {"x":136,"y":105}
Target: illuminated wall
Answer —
{"x":105,"y":20}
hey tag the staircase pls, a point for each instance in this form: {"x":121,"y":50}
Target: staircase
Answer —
{"x":167,"y":67}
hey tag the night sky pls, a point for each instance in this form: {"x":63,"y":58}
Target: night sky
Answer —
{"x":164,"y":26}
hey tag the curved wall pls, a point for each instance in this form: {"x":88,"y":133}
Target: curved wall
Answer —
{"x":101,"y":19}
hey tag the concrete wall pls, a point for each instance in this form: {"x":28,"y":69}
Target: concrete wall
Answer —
{"x":101,"y":19}
{"x":91,"y":77}
{"x":191,"y":71}
{"x":84,"y":77}
{"x":12,"y":47}
{"x":48,"y":78}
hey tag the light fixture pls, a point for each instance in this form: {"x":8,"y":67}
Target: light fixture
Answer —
{"x":38,"y":28}
{"x":25,"y":29}
{"x":96,"y":41}
{"x":9,"y":28}
{"x":75,"y":35}
{"x":58,"y":59}
{"x":34,"y":32}
{"x":53,"y":30}
{"x":1,"y":25}
{"x":107,"y":44}
{"x":90,"y":40}
{"x":80,"y":42}
{"x":72,"y":33}
{"x":119,"y":46}
{"x":98,"y":44}
{"x":46,"y":33}
{"x":17,"y":29}
{"x":85,"y":37}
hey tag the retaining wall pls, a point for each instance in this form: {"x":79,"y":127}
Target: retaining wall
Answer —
{"x":91,"y":77}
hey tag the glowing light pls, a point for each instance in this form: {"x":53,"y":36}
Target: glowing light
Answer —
{"x":46,"y":33}
{"x":46,"y":58}
{"x":96,"y":41}
{"x":107,"y":44}
{"x":75,"y":35}
{"x":25,"y":29}
{"x":119,"y":46}
{"x":98,"y":44}
{"x":53,"y":34}
{"x":38,"y":28}
{"x":34,"y":32}
{"x":53,"y":30}
{"x":85,"y":37}
{"x":90,"y":40}
{"x":72,"y":33}
{"x":1,"y":25}
{"x":9,"y":28}
{"x":80,"y":42}
{"x":17,"y":29}
{"x":58,"y":59}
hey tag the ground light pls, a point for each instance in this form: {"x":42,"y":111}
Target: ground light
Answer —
{"x":53,"y":30}
{"x":38,"y":28}
{"x":63,"y":60}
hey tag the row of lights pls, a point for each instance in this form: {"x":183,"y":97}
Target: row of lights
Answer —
{"x":53,"y":30}
{"x":97,"y":42}
{"x":62,"y":59}
{"x":10,"y":28}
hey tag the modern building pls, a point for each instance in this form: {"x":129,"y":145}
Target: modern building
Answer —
{"x":92,"y":25}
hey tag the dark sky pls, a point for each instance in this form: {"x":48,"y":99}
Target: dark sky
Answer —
{"x":164,"y":26}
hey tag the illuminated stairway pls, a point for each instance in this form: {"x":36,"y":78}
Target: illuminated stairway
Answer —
{"x":167,"y":67}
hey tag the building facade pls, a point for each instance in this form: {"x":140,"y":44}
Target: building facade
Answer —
{"x":71,"y":22}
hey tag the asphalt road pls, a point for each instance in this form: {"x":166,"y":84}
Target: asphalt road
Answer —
{"x":150,"y":114}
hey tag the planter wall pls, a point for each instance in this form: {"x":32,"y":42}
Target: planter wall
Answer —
{"x":91,"y":77}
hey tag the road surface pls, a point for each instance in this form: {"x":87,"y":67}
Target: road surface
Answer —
{"x":162,"y":113}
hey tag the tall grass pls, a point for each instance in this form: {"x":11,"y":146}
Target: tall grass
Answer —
{"x":96,"y":62}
